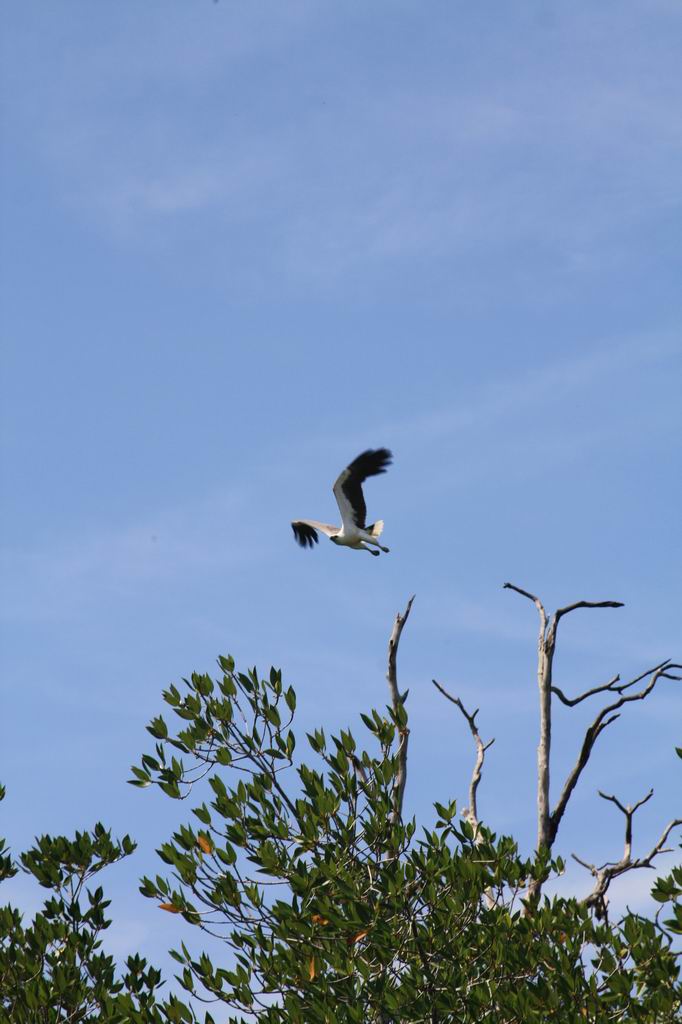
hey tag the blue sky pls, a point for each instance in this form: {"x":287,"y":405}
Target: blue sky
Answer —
{"x":243,"y":242}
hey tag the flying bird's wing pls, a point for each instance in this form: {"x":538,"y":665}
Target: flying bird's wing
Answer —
{"x":348,"y":487}
{"x":305,"y":531}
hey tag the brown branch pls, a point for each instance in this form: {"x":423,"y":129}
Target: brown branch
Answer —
{"x":560,"y":612}
{"x":470,"y":813}
{"x":603,"y":719}
{"x":398,"y":699}
{"x":571,"y":702}
{"x":612,"y":687}
{"x":605,"y":874}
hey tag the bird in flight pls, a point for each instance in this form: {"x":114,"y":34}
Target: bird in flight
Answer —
{"x":353,"y":532}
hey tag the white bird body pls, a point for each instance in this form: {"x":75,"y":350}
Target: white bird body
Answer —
{"x":354,"y":538}
{"x":353,"y":532}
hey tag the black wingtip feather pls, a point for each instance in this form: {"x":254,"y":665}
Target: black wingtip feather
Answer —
{"x":371,"y":462}
{"x":304,"y":534}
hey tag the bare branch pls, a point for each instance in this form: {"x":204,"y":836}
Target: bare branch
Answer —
{"x":550,"y":820}
{"x":605,"y":874}
{"x":470,"y":812}
{"x":629,"y":813}
{"x":601,"y":721}
{"x":398,"y":700}
{"x":645,"y":862}
{"x":583,"y":863}
{"x":571,"y":702}
{"x":545,"y":658}
{"x":611,"y":687}
{"x":531,"y":597}
{"x":560,"y":612}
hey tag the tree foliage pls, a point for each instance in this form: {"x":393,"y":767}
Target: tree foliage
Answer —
{"x":53,"y":969}
{"x":329,"y":904}
{"x":336,"y":911}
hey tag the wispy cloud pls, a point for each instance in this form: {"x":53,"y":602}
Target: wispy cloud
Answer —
{"x":550,"y":383}
{"x":352,"y":177}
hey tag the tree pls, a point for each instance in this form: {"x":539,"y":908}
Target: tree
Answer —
{"x":330,"y":904}
{"x":53,"y":970}
{"x":335,"y":908}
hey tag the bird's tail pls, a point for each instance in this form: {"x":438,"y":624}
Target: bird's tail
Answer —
{"x":376,"y":529}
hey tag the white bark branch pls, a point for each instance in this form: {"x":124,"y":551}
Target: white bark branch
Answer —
{"x":545,"y":658}
{"x":605,"y":874}
{"x":470,"y":813}
{"x":531,"y":597}
{"x":550,"y":820}
{"x":397,"y":700}
{"x":547,"y":820}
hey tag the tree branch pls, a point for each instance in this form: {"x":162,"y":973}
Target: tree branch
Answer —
{"x":524,"y":593}
{"x":605,"y":874}
{"x":612,"y":687}
{"x":629,"y":813}
{"x":560,"y":612}
{"x":544,"y":674}
{"x":470,"y":812}
{"x":398,"y":699}
{"x":603,"y":719}
{"x":548,"y":821}
{"x":571,"y":702}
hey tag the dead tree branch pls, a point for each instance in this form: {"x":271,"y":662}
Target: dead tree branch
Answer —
{"x":549,"y":819}
{"x":545,"y":657}
{"x":604,"y":718}
{"x":397,"y":700}
{"x":610,"y":687}
{"x":546,"y":648}
{"x":605,"y":874}
{"x":470,"y":813}
{"x":571,"y":702}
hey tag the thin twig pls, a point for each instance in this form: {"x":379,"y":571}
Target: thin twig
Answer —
{"x":470,"y":812}
{"x":398,"y":699}
{"x":613,"y":686}
{"x":605,"y":874}
{"x":571,"y":702}
{"x":531,"y":597}
{"x":629,"y":813}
